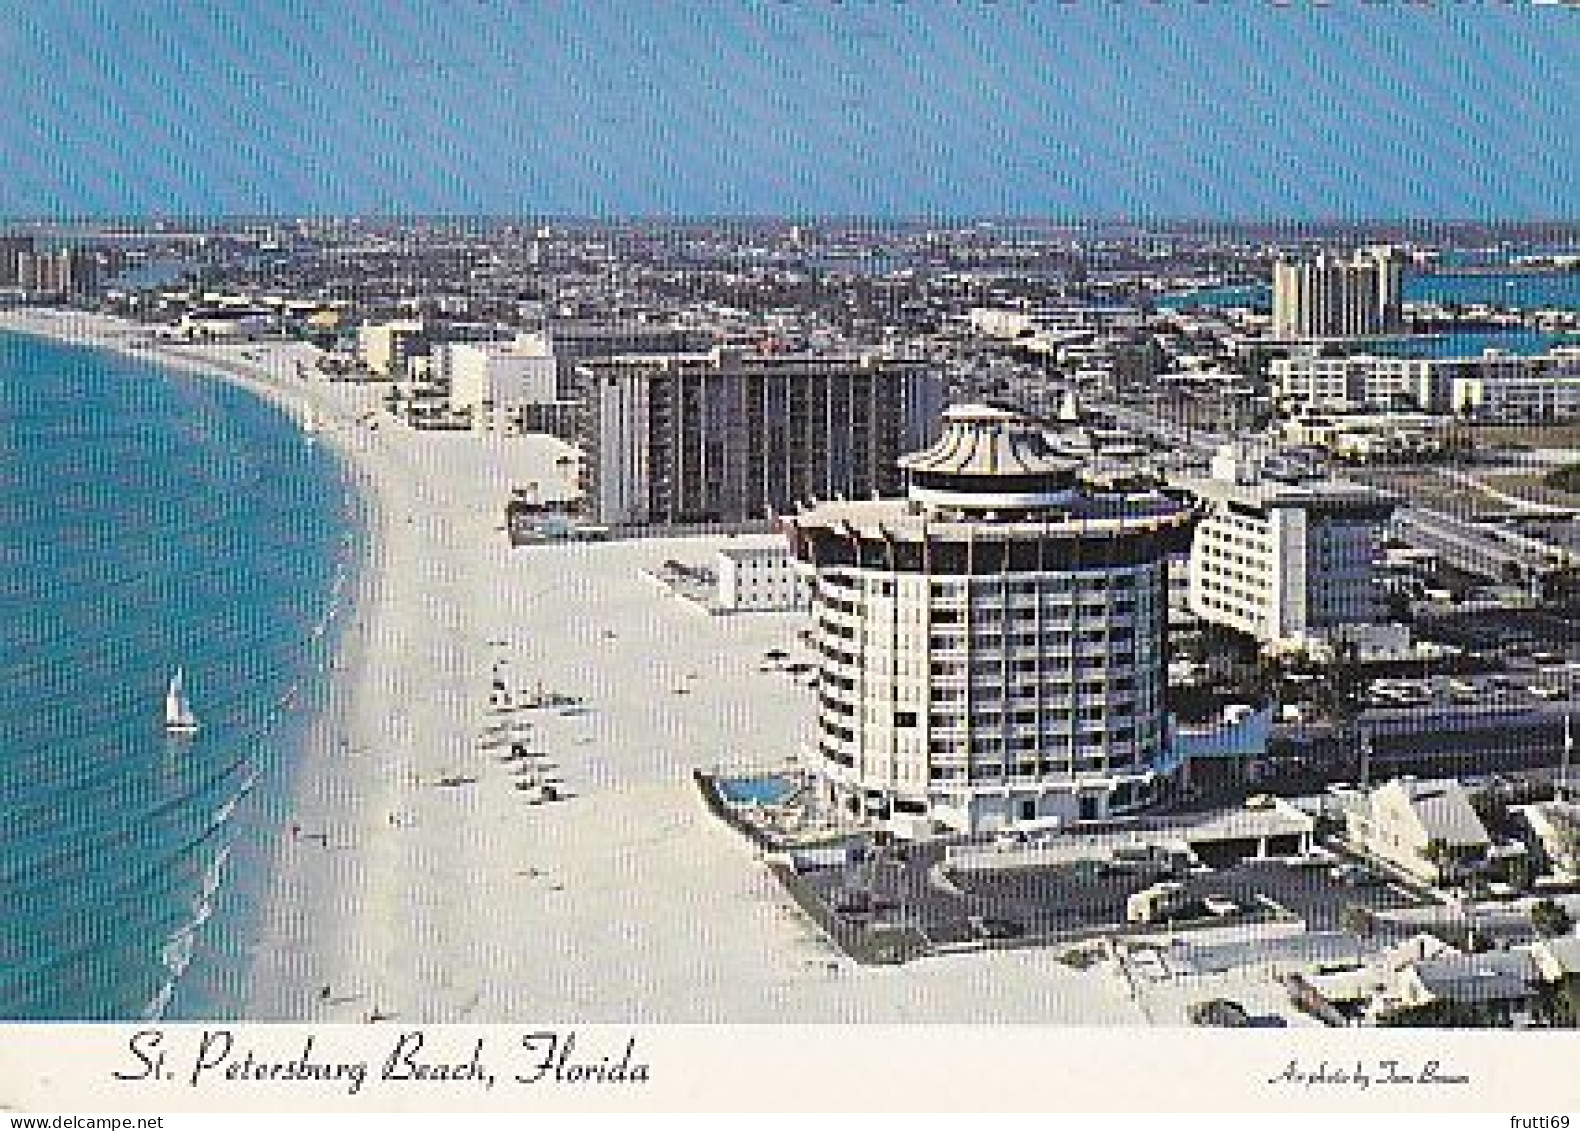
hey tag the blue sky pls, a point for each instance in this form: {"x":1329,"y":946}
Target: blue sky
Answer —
{"x":1142,"y":108}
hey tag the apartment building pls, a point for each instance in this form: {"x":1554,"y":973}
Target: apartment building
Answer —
{"x":731,"y":436}
{"x":1493,"y":387}
{"x":570,"y":342}
{"x":1329,"y":297}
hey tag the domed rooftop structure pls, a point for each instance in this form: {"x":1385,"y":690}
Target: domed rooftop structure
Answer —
{"x":990,"y":457}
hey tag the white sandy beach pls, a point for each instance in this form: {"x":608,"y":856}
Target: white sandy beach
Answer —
{"x":624,"y":902}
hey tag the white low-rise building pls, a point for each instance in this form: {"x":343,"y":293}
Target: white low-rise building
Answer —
{"x":226,"y":324}
{"x":1555,"y":832}
{"x":761,"y":578}
{"x":1427,"y":829}
{"x":1519,"y":395}
{"x":493,"y":381}
{"x":1374,"y":437}
{"x":1492,"y":387}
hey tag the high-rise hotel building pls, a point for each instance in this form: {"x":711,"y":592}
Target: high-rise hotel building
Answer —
{"x":731,"y":436}
{"x":1329,"y":297}
{"x":1286,"y":556}
{"x":13,"y":251}
{"x":54,"y":272}
{"x":992,"y":644}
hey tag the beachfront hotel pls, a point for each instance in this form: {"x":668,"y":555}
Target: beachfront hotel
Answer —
{"x":571,"y":342}
{"x":992,"y":645}
{"x":387,"y":348}
{"x":731,"y":436}
{"x":56,"y":272}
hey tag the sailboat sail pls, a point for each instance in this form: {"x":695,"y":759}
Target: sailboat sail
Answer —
{"x":179,"y":717}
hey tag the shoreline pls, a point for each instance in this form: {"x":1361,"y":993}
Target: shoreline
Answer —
{"x":424,"y":887}
{"x":349,"y":652}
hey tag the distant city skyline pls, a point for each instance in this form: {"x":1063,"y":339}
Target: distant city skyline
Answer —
{"x":1078,"y":110}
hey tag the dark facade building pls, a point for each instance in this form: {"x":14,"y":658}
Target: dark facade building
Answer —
{"x":729,"y":436}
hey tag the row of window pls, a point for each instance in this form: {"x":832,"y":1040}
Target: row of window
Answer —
{"x":1211,"y":553}
{"x":1122,"y":681}
{"x":1033,"y":770}
{"x":1242,"y":586}
{"x":1250,"y":613}
{"x":1094,"y":585}
{"x":1114,"y":726}
{"x":1232,"y":536}
{"x":1049,"y":638}
{"x":1121,"y":691}
{"x":1052,"y":609}
{"x":1048,"y":764}
{"x":1119,"y":727}
{"x":1122,"y":659}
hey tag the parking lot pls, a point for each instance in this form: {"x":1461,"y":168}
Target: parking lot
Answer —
{"x":949,"y":907}
{"x":1511,"y":635}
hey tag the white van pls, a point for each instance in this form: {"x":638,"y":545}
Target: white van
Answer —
{"x":1156,"y":903}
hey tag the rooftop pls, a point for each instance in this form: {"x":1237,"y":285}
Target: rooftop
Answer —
{"x":1265,"y":479}
{"x":728,"y":360}
{"x":909,"y":520}
{"x":1495,"y":976}
{"x":1443,"y":808}
{"x":984,"y":440}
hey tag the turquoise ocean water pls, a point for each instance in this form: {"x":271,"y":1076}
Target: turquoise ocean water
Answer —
{"x":150,"y":519}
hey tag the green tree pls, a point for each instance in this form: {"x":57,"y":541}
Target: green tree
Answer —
{"x":1521,"y":872}
{"x":1550,"y":919}
{"x":1442,"y":1015}
{"x":1341,"y":696}
{"x":1566,"y":478}
{"x":1358,"y":920}
{"x":1566,"y":842}
{"x":1559,"y":1003}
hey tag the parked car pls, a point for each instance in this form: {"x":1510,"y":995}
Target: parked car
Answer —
{"x":989,"y":928}
{"x":1221,"y":1013}
{"x":1157,"y":903}
{"x":1355,"y":875}
{"x":1220,"y":905}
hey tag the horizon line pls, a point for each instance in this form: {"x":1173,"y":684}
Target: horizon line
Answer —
{"x":789,"y":217}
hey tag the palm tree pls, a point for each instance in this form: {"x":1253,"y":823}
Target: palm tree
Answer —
{"x":1438,"y":853}
{"x":1550,"y":920}
{"x":1341,"y":698}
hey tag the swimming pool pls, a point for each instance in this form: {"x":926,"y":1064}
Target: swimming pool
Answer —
{"x":770,"y":790}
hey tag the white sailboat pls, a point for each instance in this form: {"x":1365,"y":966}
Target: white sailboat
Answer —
{"x":310,"y":421}
{"x":179,"y":718}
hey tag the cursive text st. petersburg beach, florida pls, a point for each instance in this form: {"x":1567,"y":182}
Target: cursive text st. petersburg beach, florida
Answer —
{"x":416,"y":1056}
